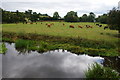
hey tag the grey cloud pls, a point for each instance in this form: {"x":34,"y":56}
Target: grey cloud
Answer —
{"x":51,"y":64}
{"x":61,"y":6}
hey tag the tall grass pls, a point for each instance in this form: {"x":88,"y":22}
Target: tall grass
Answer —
{"x":3,"y":48}
{"x":24,"y":44}
{"x":97,"y":71}
{"x":72,"y":45}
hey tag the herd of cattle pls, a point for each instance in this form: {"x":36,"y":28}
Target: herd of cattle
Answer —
{"x":72,"y":26}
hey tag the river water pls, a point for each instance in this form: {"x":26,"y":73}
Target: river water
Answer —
{"x":52,"y":64}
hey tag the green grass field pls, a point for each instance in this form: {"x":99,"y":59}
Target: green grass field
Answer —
{"x":96,"y":33}
{"x":93,"y":41}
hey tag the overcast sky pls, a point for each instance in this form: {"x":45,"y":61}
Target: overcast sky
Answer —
{"x":62,"y":6}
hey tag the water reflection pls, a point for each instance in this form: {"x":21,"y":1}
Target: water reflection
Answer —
{"x":52,"y":64}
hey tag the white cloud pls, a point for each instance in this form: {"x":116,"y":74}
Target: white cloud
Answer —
{"x":62,"y":6}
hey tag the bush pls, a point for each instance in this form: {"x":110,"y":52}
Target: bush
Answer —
{"x":3,"y":48}
{"x":98,"y":71}
{"x":24,"y":44}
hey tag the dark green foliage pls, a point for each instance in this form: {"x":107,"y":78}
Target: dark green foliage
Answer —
{"x":89,"y":18}
{"x":114,"y":19}
{"x":24,"y":44}
{"x":3,"y":48}
{"x":103,"y":19}
{"x":56,"y":16}
{"x":71,"y":17}
{"x":7,"y":40}
{"x":98,"y":71}
{"x":15,"y":17}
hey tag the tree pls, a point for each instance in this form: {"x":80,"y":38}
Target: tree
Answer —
{"x":91,"y":17}
{"x":56,"y":16}
{"x":34,"y":17}
{"x":84,"y":18}
{"x":71,"y":17}
{"x":103,"y":18}
{"x":114,"y":19}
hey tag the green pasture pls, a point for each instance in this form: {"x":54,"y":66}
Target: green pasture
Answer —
{"x":93,"y":41}
{"x":96,"y":33}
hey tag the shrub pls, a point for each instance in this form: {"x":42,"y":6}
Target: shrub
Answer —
{"x":98,"y":71}
{"x":24,"y":44}
{"x":3,"y":48}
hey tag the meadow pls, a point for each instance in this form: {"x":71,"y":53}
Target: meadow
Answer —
{"x":58,"y":29}
{"x":93,"y":41}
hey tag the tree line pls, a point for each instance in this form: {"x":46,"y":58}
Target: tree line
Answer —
{"x":112,"y":18}
{"x":29,"y":15}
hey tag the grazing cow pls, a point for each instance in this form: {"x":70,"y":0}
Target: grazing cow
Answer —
{"x":36,"y":23}
{"x":63,"y":24}
{"x":71,"y":26}
{"x":46,"y":24}
{"x":80,"y":26}
{"x":87,"y":26}
{"x":100,"y":25}
{"x":52,"y":23}
{"x":90,"y":27}
{"x":97,"y":24}
{"x":105,"y":27}
{"x":41,"y":23}
{"x":49,"y":25}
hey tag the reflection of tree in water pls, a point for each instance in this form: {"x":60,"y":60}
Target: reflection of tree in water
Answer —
{"x":113,"y":62}
{"x":23,"y":51}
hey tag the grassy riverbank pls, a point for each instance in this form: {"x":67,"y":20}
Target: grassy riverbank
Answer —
{"x":97,"y":72}
{"x":75,"y":45}
{"x":3,"y":48}
{"x":93,"y":41}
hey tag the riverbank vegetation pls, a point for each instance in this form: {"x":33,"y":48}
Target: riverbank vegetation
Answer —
{"x":43,"y":43}
{"x":3,"y":48}
{"x":97,"y":71}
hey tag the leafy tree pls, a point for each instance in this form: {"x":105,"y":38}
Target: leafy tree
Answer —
{"x":56,"y":16}
{"x":91,"y":17}
{"x":84,"y":18}
{"x":103,"y":19}
{"x":71,"y":17}
{"x":34,"y":17}
{"x":114,"y":19}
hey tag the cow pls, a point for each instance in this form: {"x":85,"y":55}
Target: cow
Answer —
{"x":90,"y":27}
{"x":41,"y":23}
{"x":46,"y":24}
{"x":49,"y":25}
{"x":100,"y":25}
{"x":52,"y":23}
{"x":71,"y":26}
{"x":63,"y":24}
{"x":80,"y":26}
{"x":87,"y":26}
{"x":105,"y":27}
{"x":97,"y":24}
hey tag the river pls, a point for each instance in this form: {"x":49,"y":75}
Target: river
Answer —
{"x":52,"y":64}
